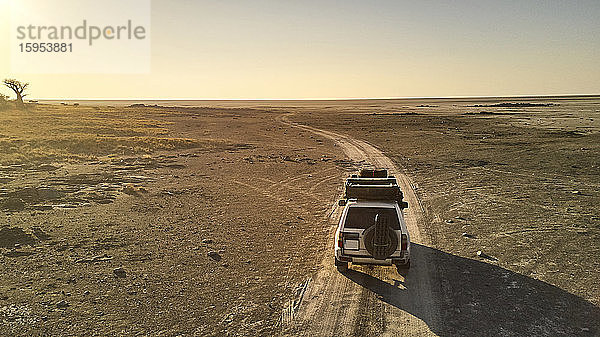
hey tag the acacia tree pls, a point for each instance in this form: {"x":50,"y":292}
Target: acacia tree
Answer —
{"x":19,"y":89}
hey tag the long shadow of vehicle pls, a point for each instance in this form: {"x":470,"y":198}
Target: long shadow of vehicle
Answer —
{"x":481,"y":299}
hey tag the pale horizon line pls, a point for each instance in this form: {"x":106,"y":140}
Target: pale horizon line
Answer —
{"x":317,"y":99}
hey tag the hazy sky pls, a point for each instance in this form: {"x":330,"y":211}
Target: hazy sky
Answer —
{"x":350,"y":49}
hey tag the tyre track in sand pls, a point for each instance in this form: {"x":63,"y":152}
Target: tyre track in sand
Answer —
{"x":366,"y":300}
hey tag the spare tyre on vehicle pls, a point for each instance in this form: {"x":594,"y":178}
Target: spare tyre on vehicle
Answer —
{"x":380,"y":240}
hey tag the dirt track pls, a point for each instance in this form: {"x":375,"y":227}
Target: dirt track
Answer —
{"x":363,"y":300}
{"x":514,"y":184}
{"x":155,"y":190}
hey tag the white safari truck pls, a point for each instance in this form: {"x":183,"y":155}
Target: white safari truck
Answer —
{"x":372,"y":228}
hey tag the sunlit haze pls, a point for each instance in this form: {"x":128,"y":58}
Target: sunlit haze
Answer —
{"x":349,"y":49}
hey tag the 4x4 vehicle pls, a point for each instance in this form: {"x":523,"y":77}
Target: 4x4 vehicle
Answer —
{"x":372,"y":228}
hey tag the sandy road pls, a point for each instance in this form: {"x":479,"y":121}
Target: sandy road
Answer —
{"x":368,"y":301}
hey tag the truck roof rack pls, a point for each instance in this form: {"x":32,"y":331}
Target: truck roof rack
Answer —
{"x":373,"y":173}
{"x":373,"y":184}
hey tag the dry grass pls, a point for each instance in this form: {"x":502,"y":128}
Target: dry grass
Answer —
{"x":48,"y":133}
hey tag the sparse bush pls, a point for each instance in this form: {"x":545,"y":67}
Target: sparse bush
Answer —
{"x":3,"y":101}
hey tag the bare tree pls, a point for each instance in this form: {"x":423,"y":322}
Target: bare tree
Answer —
{"x":19,"y":89}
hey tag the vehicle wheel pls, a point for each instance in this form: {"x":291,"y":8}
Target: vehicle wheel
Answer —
{"x":403,"y":267}
{"x":341,"y":266}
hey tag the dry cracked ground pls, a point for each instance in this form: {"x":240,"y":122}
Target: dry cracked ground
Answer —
{"x":157,"y":221}
{"x":150,"y":220}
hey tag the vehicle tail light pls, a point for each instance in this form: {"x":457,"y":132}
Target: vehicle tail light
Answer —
{"x":341,"y":242}
{"x":404,"y":242}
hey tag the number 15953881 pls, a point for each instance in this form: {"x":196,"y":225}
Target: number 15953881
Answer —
{"x":46,"y":47}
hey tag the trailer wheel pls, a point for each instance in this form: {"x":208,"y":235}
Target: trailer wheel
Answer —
{"x":341,"y":266}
